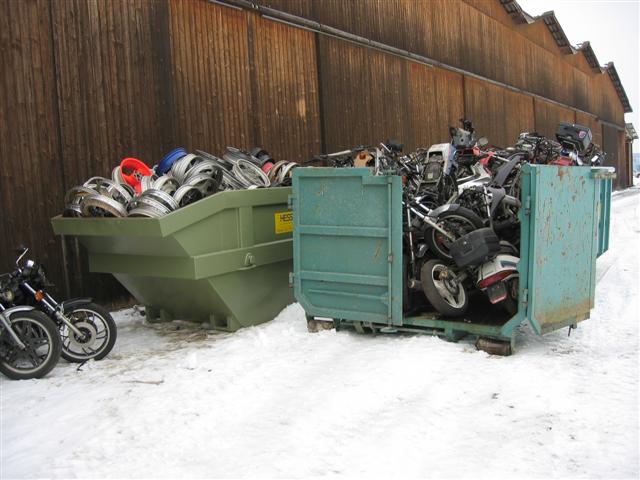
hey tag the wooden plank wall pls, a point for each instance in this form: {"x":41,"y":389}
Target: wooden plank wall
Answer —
{"x":92,"y":82}
{"x":32,"y":168}
{"x":472,"y":35}
{"x":211,"y":76}
{"x":498,"y":114}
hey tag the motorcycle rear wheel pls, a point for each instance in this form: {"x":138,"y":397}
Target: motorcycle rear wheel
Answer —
{"x":99,"y":329}
{"x":40,"y":336}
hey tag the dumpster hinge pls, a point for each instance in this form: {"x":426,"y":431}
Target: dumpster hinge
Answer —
{"x":290,"y":200}
{"x":292,"y":276}
{"x":390,"y":258}
{"x":525,"y":297}
{"x":527,"y":206}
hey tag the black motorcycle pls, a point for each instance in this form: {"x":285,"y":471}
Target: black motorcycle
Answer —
{"x":29,"y":342}
{"x":87,"y":330}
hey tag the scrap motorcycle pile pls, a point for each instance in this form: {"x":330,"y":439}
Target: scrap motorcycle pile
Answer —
{"x":460,"y":202}
{"x":35,"y":330}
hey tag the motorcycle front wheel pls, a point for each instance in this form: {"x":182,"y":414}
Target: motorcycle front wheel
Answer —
{"x":42,"y":346}
{"x":446,"y":295}
{"x":98,"y":333}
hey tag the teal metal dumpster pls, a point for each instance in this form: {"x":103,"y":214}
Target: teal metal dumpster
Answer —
{"x":347,"y":247}
{"x":223,"y":260}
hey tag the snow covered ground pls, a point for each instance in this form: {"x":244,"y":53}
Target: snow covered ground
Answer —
{"x":178,"y":401}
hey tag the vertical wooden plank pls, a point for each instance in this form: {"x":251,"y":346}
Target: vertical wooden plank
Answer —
{"x":211,"y":84}
{"x":548,"y":115}
{"x":286,"y":107}
{"x":362,"y":99}
{"x":613,"y":142}
{"x":498,"y":114}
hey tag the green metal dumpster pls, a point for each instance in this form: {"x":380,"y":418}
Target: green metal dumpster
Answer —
{"x":348,"y":252}
{"x":223,"y":260}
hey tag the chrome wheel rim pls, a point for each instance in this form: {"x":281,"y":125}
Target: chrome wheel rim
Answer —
{"x":96,"y":334}
{"x":450,"y":291}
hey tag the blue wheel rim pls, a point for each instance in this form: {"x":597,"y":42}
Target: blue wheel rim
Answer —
{"x":169,"y":159}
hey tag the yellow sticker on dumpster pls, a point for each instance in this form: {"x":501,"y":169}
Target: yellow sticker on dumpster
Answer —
{"x":284,"y":222}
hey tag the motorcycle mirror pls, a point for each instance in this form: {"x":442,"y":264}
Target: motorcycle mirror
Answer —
{"x":24,"y":252}
{"x":482,"y":142}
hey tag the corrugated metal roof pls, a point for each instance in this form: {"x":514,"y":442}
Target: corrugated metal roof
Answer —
{"x":630,"y":131}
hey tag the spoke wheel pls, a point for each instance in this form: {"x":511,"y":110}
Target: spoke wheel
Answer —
{"x":98,"y":333}
{"x":42,"y":352}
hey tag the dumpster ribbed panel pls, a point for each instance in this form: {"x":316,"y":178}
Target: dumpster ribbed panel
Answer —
{"x":562,"y":236}
{"x":347,"y":244}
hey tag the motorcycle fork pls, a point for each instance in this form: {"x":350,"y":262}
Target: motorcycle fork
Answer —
{"x":460,"y":277}
{"x":53,"y":308}
{"x":7,"y":324}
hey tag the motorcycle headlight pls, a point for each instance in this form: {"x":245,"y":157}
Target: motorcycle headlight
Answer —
{"x":7,"y":295}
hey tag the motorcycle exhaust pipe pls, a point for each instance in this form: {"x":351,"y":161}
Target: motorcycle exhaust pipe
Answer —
{"x":511,"y":201}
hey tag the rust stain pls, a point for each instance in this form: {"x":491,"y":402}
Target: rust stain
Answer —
{"x":579,"y":311}
{"x":378,"y":249}
{"x":561,"y":173}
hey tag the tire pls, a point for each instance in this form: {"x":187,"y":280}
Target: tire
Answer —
{"x":447,"y":297}
{"x":458,"y":223}
{"x":94,"y":321}
{"x":40,"y":334}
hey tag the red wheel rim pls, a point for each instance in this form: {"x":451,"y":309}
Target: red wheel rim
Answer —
{"x":132,"y":171}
